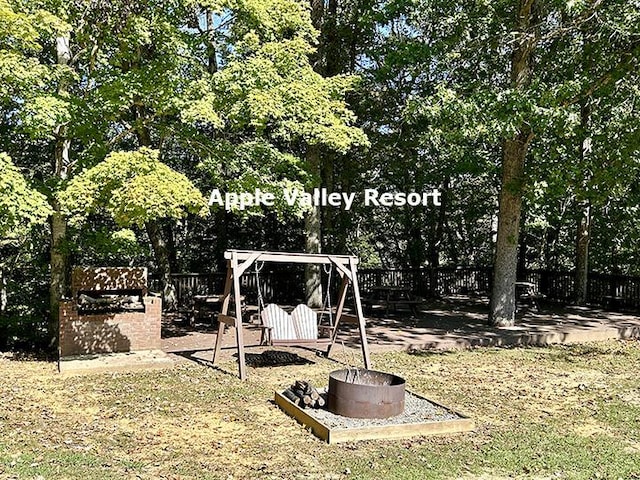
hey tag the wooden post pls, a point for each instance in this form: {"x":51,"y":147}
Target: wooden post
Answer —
{"x":360,"y":314}
{"x":223,"y":311}
{"x":238,"y":315}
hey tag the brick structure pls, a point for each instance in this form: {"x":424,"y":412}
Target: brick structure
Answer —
{"x":109,"y":312}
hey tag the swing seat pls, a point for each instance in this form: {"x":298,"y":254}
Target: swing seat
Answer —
{"x":299,"y":327}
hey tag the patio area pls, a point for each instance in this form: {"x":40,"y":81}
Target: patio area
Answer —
{"x":454,"y":322}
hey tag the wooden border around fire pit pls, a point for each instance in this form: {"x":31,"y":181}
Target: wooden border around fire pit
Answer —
{"x":376,"y":432}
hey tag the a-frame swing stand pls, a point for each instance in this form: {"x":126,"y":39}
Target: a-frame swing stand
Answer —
{"x":238,"y":261}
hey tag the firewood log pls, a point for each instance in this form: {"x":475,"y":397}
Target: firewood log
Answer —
{"x":295,"y":399}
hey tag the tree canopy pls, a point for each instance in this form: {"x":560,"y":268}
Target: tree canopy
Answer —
{"x":524,"y":113}
{"x":21,"y":207}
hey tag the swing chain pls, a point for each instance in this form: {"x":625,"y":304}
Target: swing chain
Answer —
{"x":258,"y":288}
{"x":328,"y":268}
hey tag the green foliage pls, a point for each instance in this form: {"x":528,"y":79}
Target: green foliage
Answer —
{"x":108,"y":246}
{"x":26,"y":84}
{"x":21,"y":207}
{"x":276,"y":91}
{"x":252,"y":165}
{"x":362,"y":246}
{"x":266,"y":85}
{"x":272,"y":20}
{"x":133,"y":188}
{"x":22,"y":29}
{"x":239,"y":95}
{"x":42,"y":114}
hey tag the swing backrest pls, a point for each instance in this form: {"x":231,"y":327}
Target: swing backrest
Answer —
{"x":302,"y":324}
{"x":305,"y":322}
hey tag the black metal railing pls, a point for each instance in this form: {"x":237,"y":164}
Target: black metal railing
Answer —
{"x":287,"y":285}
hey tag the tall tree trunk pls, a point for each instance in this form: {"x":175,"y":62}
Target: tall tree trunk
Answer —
{"x":4,"y":334}
{"x":168,"y":233}
{"x":313,"y":218}
{"x":58,"y":282}
{"x":212,"y":60}
{"x":503,"y":301}
{"x":583,"y":231}
{"x":313,"y":238}
{"x":438,"y":238}
{"x":583,"y":237}
{"x":413,"y":226}
{"x":522,"y":249}
{"x":3,"y":292}
{"x":317,"y":17}
{"x":329,"y":217}
{"x":332,"y":54}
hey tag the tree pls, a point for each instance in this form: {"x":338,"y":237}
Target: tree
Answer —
{"x":134,"y":188}
{"x":21,"y":208}
{"x":268,"y":84}
{"x":29,"y":93}
{"x":512,"y":184}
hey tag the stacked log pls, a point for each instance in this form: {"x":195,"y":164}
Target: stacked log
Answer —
{"x":304,"y":395}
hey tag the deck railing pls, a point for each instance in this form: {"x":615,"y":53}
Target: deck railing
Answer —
{"x":287,"y":286}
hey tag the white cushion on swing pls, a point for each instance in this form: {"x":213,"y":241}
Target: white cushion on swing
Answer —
{"x":302,"y":324}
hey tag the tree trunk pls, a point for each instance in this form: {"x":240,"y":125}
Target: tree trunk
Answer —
{"x":168,"y":233}
{"x":3,"y":292}
{"x":413,"y":226}
{"x":313,"y":218}
{"x":503,"y":301}
{"x":522,"y":249}
{"x":583,"y":231}
{"x":332,"y":54}
{"x":438,"y":237}
{"x":58,"y":282}
{"x":161,"y":253}
{"x":329,"y":219}
{"x":313,"y":238}
{"x":583,"y":236}
{"x":212,"y":60}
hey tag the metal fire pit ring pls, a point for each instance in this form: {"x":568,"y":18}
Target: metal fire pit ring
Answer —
{"x":361,"y":393}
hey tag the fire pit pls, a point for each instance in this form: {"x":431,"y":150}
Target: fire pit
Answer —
{"x":360,"y":393}
{"x":421,"y":416}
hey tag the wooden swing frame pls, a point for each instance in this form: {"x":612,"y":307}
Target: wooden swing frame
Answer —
{"x":238,"y":261}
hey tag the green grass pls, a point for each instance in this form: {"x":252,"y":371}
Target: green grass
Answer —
{"x":561,"y":412}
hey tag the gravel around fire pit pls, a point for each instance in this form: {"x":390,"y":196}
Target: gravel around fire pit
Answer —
{"x":416,"y":410}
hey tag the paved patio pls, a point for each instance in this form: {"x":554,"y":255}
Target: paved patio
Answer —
{"x":451,"y":323}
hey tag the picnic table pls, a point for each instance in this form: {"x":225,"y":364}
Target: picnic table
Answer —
{"x":207,"y":306}
{"x":391,"y":296}
{"x":528,"y":293}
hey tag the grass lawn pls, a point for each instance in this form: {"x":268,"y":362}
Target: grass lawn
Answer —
{"x":560,"y":412}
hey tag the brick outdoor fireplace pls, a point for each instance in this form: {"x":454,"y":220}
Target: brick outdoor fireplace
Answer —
{"x":110,"y":311}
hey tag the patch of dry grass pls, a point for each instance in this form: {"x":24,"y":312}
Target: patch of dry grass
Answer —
{"x":562,"y":412}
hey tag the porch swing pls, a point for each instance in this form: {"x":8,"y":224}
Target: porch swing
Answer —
{"x":302,"y":327}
